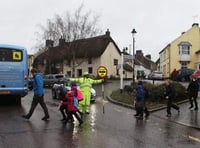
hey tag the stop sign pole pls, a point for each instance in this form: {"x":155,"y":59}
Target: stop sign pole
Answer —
{"x":102,"y":73}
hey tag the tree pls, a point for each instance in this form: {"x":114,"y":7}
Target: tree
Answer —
{"x":71,"y":27}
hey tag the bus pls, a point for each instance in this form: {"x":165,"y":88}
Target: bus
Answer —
{"x":13,"y":72}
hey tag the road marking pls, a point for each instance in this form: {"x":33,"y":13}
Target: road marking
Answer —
{"x":194,"y":138}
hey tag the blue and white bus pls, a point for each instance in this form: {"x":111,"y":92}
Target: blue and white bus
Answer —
{"x":13,"y":71}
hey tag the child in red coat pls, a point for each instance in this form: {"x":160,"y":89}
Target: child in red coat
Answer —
{"x":71,"y":109}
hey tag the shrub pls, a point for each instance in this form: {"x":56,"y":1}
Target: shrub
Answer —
{"x":156,"y":93}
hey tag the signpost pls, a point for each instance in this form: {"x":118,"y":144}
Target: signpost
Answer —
{"x":102,"y":73}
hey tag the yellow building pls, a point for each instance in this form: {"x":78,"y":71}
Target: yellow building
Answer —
{"x":182,"y":52}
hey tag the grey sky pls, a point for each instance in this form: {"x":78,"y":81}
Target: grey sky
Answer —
{"x":157,"y":22}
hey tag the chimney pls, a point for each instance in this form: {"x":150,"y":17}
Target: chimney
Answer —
{"x":148,"y":56}
{"x":108,"y":33}
{"x":49,"y":43}
{"x":195,"y":24}
{"x":182,"y":33}
{"x":61,"y":41}
{"x":139,"y":52}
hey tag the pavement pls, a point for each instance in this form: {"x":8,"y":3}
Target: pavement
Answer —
{"x":186,"y":117}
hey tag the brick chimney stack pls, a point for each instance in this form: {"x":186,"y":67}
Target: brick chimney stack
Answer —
{"x":49,"y":43}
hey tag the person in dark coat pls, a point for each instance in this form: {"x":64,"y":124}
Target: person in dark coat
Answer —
{"x":193,"y":89}
{"x":139,"y":104}
{"x":169,"y":95}
{"x":38,"y":95}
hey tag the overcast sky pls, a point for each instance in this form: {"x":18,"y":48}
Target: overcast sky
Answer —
{"x":157,"y":22}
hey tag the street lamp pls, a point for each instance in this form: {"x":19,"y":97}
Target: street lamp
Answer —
{"x":133,"y":34}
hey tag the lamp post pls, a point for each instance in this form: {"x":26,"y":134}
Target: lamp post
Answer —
{"x":133,"y":34}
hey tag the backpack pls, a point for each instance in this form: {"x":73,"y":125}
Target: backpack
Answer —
{"x":75,"y":102}
{"x":140,"y":95}
{"x":79,"y":95}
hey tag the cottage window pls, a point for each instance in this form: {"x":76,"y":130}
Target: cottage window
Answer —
{"x":89,"y":60}
{"x":115,"y":62}
{"x":90,"y":70}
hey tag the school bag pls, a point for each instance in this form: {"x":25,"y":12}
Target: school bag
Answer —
{"x":75,"y":102}
{"x":79,"y":95}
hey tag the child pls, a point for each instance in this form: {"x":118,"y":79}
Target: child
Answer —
{"x":140,"y":95}
{"x":71,"y":109}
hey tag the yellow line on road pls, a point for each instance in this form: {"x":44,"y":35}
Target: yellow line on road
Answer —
{"x":194,"y":138}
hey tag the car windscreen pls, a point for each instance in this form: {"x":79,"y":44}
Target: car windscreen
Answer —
{"x":59,"y":76}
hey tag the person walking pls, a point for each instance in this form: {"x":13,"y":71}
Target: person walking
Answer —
{"x":38,"y":96}
{"x":169,"y":95}
{"x":139,"y":104}
{"x":193,"y":89}
{"x":71,"y":109}
{"x":85,"y":87}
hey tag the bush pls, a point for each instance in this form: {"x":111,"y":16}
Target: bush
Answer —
{"x":156,"y":93}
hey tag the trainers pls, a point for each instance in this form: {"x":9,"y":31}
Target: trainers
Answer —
{"x":87,"y":112}
{"x":45,"y":118}
{"x":136,"y":114}
{"x":63,"y":119}
{"x":25,"y":117}
{"x":71,"y":120}
{"x":190,"y":107}
{"x":168,"y":115}
{"x":81,"y":122}
{"x":147,"y":115}
{"x":139,"y":117}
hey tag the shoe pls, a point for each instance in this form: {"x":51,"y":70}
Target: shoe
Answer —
{"x":196,"y":108}
{"x":139,"y":117}
{"x":168,"y":115}
{"x":136,"y":115}
{"x":63,"y":119}
{"x":45,"y":118}
{"x":25,"y":117}
{"x":147,"y":115}
{"x":87,"y":112}
{"x":191,"y":107}
{"x":71,"y":120}
{"x":81,"y":122}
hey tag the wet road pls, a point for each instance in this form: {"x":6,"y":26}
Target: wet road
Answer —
{"x":115,"y":128}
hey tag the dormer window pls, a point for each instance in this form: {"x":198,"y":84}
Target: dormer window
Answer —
{"x":184,"y":48}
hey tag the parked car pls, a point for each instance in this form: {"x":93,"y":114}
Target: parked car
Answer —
{"x":184,"y":74}
{"x":51,"y":79}
{"x":156,"y":75}
{"x":59,"y":91}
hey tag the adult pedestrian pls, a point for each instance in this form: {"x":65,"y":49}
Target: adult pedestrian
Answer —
{"x":169,"y":95}
{"x":193,"y":89}
{"x":85,"y":87}
{"x":38,"y":96}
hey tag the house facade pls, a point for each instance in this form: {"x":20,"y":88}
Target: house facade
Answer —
{"x":76,"y":57}
{"x":182,"y":52}
{"x":143,"y":64}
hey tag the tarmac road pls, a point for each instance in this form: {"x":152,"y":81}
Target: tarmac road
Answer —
{"x":115,"y":128}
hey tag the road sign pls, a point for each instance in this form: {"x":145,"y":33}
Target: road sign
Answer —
{"x":102,"y":71}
